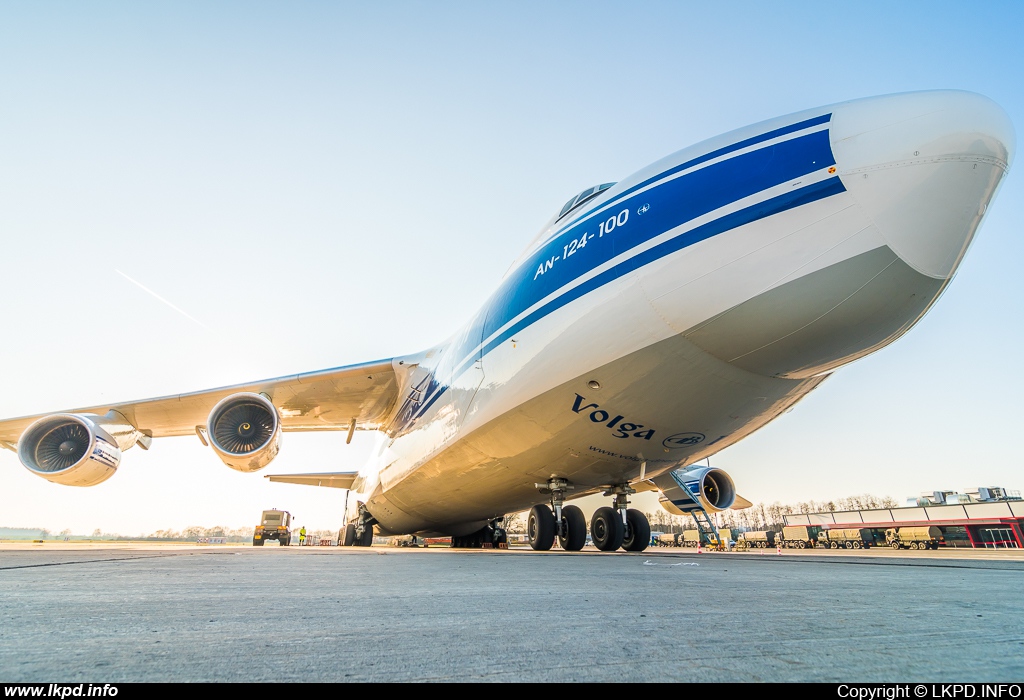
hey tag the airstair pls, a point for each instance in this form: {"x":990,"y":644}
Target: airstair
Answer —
{"x":705,"y":525}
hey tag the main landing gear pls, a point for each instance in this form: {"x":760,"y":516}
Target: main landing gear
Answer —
{"x":610,"y":528}
{"x":360,"y":532}
{"x":491,"y":533}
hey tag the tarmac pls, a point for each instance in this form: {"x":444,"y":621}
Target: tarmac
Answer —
{"x":109,"y":614}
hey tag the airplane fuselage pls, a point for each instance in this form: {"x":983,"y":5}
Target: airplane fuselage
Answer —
{"x":688,"y":305}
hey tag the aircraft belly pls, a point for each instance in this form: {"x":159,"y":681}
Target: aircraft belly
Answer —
{"x":667,"y":404}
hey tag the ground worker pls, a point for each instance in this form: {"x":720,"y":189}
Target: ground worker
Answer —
{"x":302,"y":536}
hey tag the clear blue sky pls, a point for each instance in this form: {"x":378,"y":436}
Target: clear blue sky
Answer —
{"x":326,"y":183}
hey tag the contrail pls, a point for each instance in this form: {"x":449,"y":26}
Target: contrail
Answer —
{"x":147,"y":289}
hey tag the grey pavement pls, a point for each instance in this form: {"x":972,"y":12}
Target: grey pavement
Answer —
{"x":387,"y":614}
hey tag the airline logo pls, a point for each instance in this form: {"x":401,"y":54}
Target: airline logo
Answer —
{"x":615,"y":422}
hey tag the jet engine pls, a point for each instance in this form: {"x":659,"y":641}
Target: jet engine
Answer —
{"x":684,"y":488}
{"x":72,"y":449}
{"x":245,"y":431}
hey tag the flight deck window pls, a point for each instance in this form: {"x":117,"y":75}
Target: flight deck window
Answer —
{"x":582,"y":197}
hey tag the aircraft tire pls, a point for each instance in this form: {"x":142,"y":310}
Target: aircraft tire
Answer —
{"x":574,"y":529}
{"x":349,"y":537}
{"x":367,"y":539}
{"x":540,"y":528}
{"x":606,"y":529}
{"x":637,"y":536}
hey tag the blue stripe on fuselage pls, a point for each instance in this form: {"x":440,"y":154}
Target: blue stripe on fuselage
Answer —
{"x":717,"y":153}
{"x":670,"y":204}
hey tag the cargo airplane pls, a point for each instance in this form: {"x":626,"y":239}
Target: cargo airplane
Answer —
{"x":651,"y":323}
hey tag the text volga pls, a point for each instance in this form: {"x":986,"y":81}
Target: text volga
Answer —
{"x":621,"y":429}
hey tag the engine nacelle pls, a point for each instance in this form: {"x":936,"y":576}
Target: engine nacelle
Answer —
{"x":245,"y":431}
{"x":70,"y":449}
{"x":683,"y":489}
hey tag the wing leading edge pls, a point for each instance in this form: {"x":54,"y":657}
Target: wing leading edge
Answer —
{"x":325,"y":400}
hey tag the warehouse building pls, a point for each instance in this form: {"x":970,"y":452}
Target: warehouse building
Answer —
{"x":987,"y":518}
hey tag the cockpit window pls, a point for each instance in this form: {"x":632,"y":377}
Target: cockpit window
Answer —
{"x":583,"y":196}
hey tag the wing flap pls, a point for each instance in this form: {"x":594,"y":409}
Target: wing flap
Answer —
{"x":334,"y":480}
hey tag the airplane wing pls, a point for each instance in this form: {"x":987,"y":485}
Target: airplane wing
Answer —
{"x":325,"y":400}
{"x":335,"y":480}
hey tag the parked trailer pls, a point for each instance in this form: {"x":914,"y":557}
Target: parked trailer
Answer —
{"x":760,"y":539}
{"x":913,"y":537}
{"x":799,"y":537}
{"x":848,"y":538}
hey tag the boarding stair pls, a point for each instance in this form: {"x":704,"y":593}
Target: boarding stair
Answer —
{"x":705,"y":526}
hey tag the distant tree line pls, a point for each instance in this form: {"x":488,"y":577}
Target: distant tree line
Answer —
{"x":758,"y":517}
{"x":769,"y":517}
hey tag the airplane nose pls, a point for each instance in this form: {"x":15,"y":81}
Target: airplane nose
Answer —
{"x":923,"y":167}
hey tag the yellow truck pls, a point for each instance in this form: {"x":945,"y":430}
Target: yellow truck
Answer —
{"x":756,"y":539}
{"x":913,"y":537}
{"x":844,"y":538}
{"x":274,"y":525}
{"x":690,"y":538}
{"x":799,"y":536}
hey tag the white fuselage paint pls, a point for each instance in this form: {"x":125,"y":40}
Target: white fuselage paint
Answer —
{"x":913,"y":173}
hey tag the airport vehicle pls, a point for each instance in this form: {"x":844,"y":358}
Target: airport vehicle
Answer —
{"x":799,"y":537}
{"x":846,"y":538}
{"x":913,"y":537}
{"x":756,"y":539}
{"x":650,"y":324}
{"x":274,"y":525}
{"x":668,"y":539}
{"x":689,"y":538}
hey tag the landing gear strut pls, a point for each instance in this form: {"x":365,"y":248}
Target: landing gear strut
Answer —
{"x":630,"y":529}
{"x":567,"y":522}
{"x":492,"y":533}
{"x":359,"y":533}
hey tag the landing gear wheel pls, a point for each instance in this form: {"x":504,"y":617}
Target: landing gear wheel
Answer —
{"x":637,"y":536}
{"x":540,"y":528}
{"x":574,"y":529}
{"x":606,"y":529}
{"x":348,"y":535}
{"x":367,"y":538}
